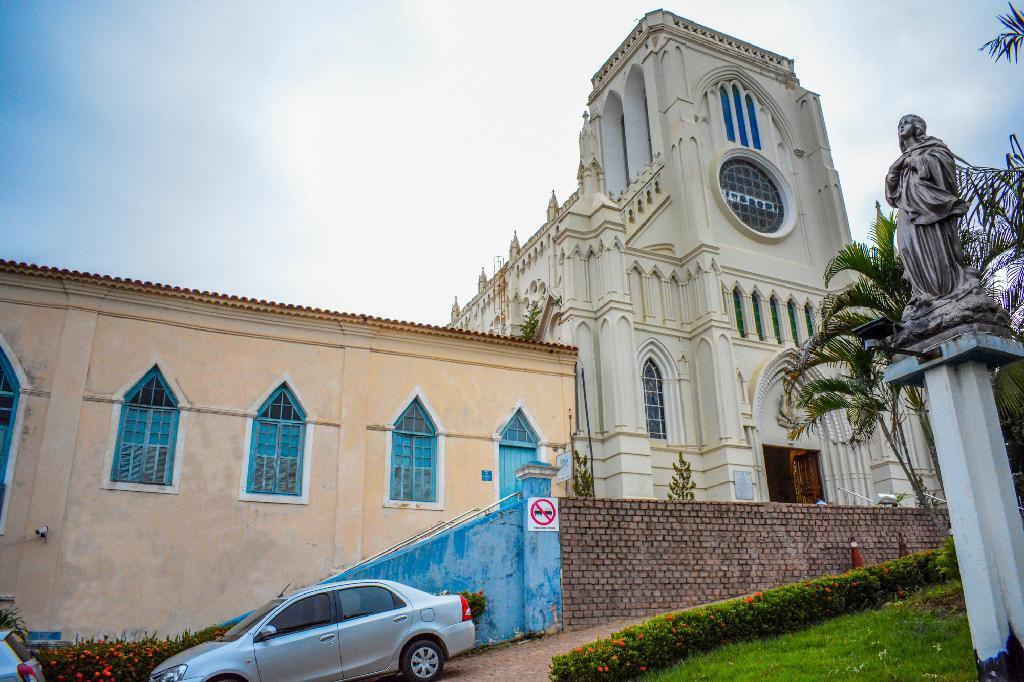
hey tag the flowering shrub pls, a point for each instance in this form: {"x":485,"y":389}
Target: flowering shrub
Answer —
{"x":477,"y":603}
{"x":117,"y":660}
{"x":666,"y":639}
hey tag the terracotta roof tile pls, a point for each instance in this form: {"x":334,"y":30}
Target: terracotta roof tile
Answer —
{"x":244,"y":302}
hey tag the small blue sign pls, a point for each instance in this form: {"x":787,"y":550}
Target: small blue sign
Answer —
{"x":486,"y":475}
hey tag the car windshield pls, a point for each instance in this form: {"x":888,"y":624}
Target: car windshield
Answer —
{"x":242,"y":626}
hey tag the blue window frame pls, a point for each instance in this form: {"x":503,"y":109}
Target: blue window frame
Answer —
{"x":518,"y":446}
{"x":147,"y":433}
{"x":8,"y":413}
{"x":414,"y":456}
{"x":654,"y":401}
{"x":740,"y":122}
{"x":727,"y":114}
{"x":277,"y":448}
{"x":752,"y":115}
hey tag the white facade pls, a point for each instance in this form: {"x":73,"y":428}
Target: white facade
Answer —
{"x":648,"y":259}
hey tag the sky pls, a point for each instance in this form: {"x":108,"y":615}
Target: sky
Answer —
{"x":371,"y":157}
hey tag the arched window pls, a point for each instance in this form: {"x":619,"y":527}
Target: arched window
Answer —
{"x":276,"y":451}
{"x":755,"y":300}
{"x":518,"y":446}
{"x":739,"y":111}
{"x":654,"y":401}
{"x":8,"y":412}
{"x":791,"y":309}
{"x":809,"y":317}
{"x":755,"y":135}
{"x":776,"y":325}
{"x":727,"y":114}
{"x":414,"y":456}
{"x":740,"y":120}
{"x":737,"y":302}
{"x":147,"y":433}
{"x":636,"y":123}
{"x":613,"y":144}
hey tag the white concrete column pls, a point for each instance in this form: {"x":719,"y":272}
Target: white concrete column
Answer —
{"x":983,"y":509}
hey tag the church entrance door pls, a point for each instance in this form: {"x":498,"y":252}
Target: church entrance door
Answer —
{"x":793,"y":475}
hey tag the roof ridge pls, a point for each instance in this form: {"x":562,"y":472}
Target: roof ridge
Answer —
{"x":235,"y":300}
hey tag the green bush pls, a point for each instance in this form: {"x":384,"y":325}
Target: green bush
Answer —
{"x":949,"y":568}
{"x":477,"y":604}
{"x":667,"y":639}
{"x":118,"y":660}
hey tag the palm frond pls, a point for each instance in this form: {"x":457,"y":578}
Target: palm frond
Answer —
{"x":1009,"y":390}
{"x":1008,"y":43}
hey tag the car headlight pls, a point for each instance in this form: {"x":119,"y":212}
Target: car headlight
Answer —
{"x":170,"y":674}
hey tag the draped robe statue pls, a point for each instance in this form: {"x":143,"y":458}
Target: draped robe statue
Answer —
{"x":922,"y":184}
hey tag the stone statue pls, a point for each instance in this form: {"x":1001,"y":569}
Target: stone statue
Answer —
{"x":946,"y":294}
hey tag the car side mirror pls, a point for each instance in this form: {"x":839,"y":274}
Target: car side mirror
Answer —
{"x":266,"y":632}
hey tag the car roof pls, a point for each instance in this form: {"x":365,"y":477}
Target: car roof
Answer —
{"x":399,"y":587}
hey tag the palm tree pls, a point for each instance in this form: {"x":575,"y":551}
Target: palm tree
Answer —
{"x":858,"y":387}
{"x":1009,"y":42}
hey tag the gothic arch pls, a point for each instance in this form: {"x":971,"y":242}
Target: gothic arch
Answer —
{"x":637,"y":123}
{"x":613,"y":144}
{"x":654,"y":350}
{"x":728,"y":73}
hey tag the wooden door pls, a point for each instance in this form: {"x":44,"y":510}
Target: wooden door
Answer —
{"x":806,"y":477}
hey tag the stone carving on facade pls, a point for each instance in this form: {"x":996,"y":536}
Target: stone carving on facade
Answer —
{"x":947,"y":295}
{"x":552,"y":207}
{"x":590,"y":174}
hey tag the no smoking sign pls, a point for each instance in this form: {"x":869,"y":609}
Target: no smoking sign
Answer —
{"x":542,"y":514}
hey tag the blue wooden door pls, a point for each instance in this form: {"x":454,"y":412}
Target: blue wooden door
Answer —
{"x":518,"y":447}
{"x":511,"y":457}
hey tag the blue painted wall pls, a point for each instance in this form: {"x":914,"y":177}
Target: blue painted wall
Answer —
{"x":484,"y":554}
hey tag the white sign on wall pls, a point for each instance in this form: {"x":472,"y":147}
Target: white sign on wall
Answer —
{"x":564,"y":463}
{"x":744,"y":485}
{"x":542,"y":514}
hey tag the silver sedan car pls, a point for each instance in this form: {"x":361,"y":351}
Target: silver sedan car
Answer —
{"x":340,"y":631}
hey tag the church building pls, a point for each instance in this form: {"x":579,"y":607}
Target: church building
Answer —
{"x":686,"y":267}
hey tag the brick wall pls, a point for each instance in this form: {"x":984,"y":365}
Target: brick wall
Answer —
{"x":625,"y":558}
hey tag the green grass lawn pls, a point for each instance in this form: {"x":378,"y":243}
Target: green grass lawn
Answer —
{"x":925,"y":637}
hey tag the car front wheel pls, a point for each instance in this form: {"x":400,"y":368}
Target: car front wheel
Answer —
{"x":422,"y":661}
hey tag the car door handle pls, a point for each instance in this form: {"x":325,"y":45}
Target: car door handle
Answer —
{"x":329,"y":637}
{"x":401,"y":619}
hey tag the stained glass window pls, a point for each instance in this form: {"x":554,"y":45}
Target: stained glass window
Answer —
{"x":809,"y":317}
{"x":776,"y":326}
{"x":755,"y":300}
{"x":727,"y":114}
{"x":791,"y":309}
{"x":751,"y":195}
{"x":737,"y":302}
{"x":654,"y":401}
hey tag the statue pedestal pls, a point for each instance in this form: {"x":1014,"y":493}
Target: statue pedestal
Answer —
{"x":987,"y":525}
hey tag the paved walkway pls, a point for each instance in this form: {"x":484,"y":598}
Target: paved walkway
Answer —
{"x":530,"y":659}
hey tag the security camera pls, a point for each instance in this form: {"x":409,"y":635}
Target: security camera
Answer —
{"x":42,"y":531}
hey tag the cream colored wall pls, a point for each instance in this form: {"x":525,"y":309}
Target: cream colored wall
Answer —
{"x":119,"y":561}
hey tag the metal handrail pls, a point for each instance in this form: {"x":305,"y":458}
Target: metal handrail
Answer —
{"x":436,"y":529}
{"x":856,"y":495}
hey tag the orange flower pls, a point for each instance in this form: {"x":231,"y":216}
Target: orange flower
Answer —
{"x":758,"y":594}
{"x":615,"y":658}
{"x":747,"y":600}
{"x":579,"y":650}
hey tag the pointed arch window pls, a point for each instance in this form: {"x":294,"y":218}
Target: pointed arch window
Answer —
{"x":278,"y":445}
{"x":739,"y":111}
{"x":8,"y":412}
{"x":809,"y":318}
{"x":740,"y":120}
{"x":773,"y":303}
{"x":147,"y":433}
{"x":755,"y":300}
{"x":654,"y":400}
{"x":793,"y":327}
{"x":414,"y":456}
{"x":727,"y":114}
{"x":518,"y":446}
{"x":737,"y":302}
